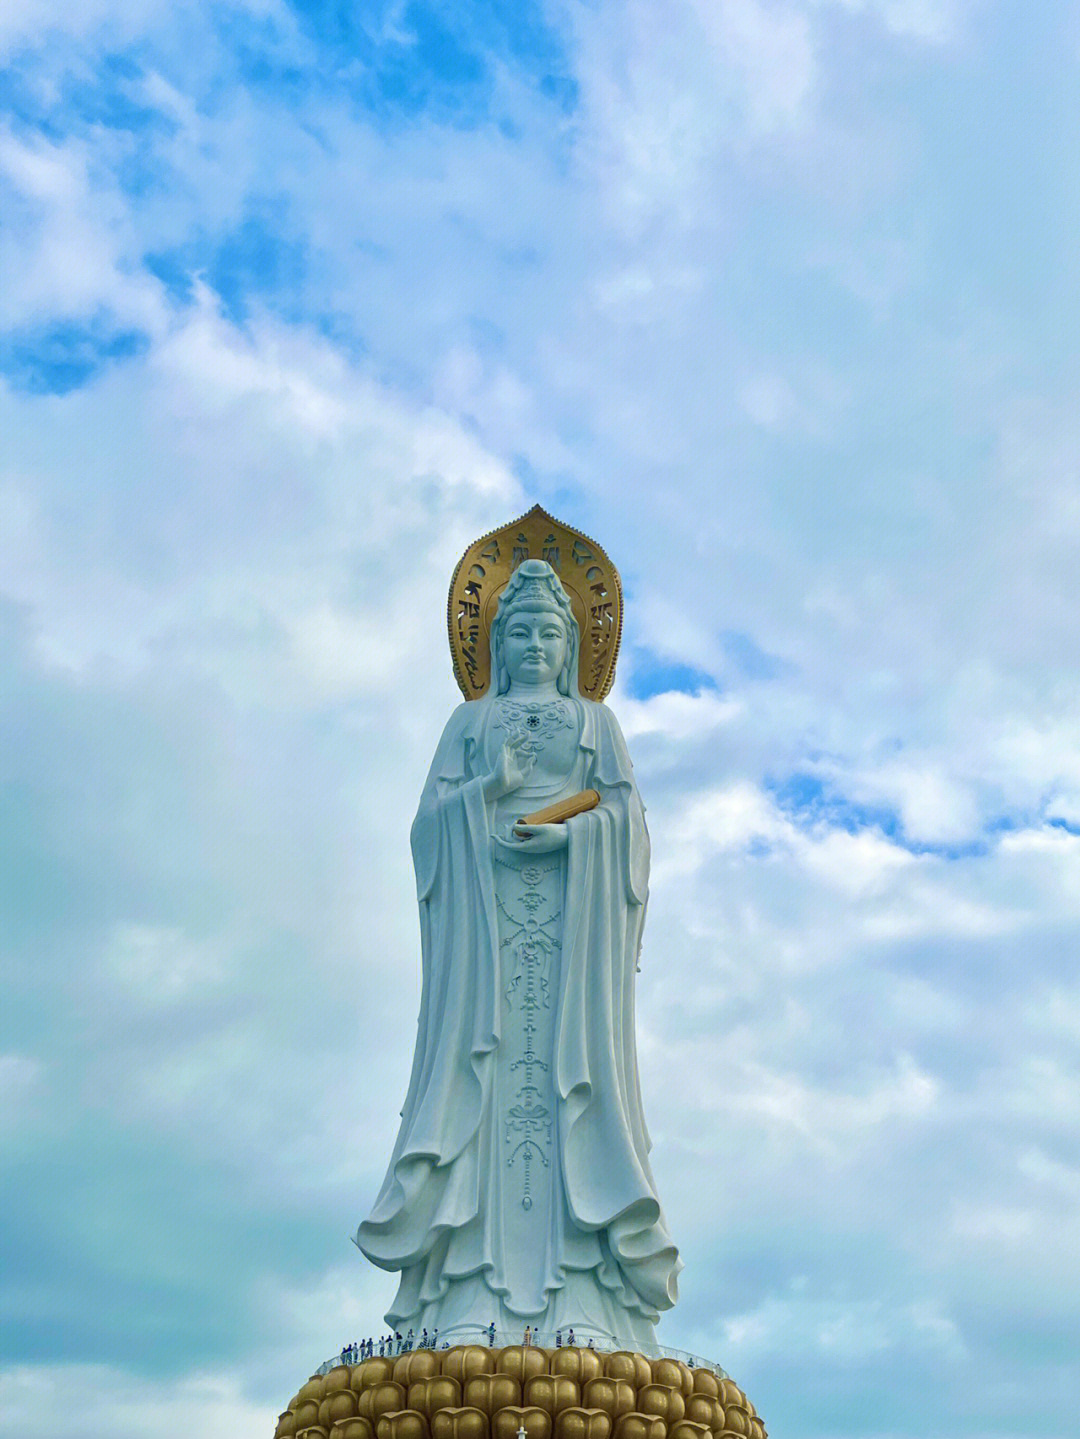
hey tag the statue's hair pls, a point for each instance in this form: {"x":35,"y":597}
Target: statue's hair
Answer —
{"x":535,"y":585}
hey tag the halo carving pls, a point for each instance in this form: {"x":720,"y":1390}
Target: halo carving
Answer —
{"x":588,"y":576}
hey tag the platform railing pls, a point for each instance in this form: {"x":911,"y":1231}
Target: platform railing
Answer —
{"x":390,"y":1346}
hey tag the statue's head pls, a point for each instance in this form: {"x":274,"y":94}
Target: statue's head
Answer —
{"x":534,"y":636}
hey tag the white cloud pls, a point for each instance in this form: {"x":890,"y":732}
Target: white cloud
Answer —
{"x":844,"y":1331}
{"x":151,"y":963}
{"x":69,"y":241}
{"x":1059,"y":1180}
{"x":315,"y":1318}
{"x":666,"y":93}
{"x":27,"y":22}
{"x":86,"y":1401}
{"x":100,"y":24}
{"x":771,"y":49}
{"x":267,"y":415}
{"x":934,"y":22}
{"x":822,"y":1116}
{"x":21,"y":1077}
{"x":677,"y":716}
{"x":699,"y":315}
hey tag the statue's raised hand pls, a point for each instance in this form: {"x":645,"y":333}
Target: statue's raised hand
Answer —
{"x":512,"y":768}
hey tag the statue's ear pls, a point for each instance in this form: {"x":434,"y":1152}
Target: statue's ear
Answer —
{"x":569,"y":669}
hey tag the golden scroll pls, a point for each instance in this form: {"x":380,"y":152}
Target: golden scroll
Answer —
{"x":563,"y":809}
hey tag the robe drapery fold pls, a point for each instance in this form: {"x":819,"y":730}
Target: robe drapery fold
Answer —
{"x":433,"y":1218}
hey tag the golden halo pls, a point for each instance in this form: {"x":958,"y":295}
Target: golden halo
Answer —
{"x":588,"y":576}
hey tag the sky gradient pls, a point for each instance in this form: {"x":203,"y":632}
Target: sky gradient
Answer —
{"x":780,"y":301}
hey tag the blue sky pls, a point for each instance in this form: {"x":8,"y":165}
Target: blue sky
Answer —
{"x":776,"y":298}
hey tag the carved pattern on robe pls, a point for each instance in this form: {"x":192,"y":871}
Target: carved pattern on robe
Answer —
{"x":531,"y":941}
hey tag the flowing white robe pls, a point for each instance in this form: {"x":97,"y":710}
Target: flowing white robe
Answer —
{"x":446,"y":1216}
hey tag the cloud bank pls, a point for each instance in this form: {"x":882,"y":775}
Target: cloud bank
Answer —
{"x":776,"y":300}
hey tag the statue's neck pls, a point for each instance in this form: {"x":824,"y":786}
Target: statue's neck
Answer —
{"x":541,"y":694}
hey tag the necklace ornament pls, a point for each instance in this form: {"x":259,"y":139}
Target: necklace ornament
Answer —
{"x":534,"y":721}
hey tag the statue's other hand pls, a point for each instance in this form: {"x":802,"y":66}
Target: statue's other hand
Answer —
{"x":538,"y":838}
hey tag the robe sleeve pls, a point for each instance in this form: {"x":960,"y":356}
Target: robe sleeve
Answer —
{"x":434,"y":1180}
{"x":449,"y":772}
{"x":613,"y":772}
{"x":609,"y":1185}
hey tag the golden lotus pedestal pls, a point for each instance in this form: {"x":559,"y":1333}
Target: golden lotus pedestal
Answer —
{"x":476,"y":1392}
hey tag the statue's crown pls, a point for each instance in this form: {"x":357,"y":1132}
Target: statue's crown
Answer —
{"x":532,"y":590}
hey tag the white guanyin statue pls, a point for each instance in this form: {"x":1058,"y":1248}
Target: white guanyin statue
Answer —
{"x":519,"y":1191}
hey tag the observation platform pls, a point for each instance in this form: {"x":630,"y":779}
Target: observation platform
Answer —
{"x":392,"y":1346}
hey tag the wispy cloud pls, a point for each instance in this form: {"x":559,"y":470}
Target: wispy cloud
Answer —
{"x":774,"y":300}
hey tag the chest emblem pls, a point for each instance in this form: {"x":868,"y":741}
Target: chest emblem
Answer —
{"x":533,"y":721}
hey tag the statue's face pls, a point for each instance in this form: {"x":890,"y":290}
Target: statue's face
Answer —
{"x":534,"y":646}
